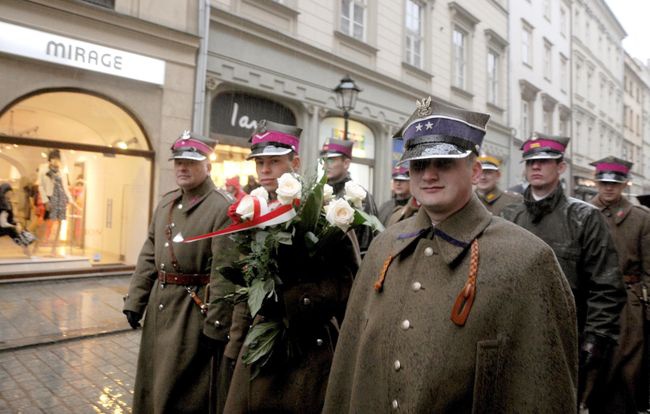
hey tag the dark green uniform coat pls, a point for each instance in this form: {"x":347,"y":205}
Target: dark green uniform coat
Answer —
{"x":630,"y":229}
{"x":174,"y":372}
{"x":314,"y":294}
{"x":399,"y":351}
{"x":497,"y":200}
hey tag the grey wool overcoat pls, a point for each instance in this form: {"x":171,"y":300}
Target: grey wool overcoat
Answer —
{"x":399,"y":351}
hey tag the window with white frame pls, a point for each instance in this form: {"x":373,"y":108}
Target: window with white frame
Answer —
{"x":564,"y":127}
{"x":526,"y":120}
{"x":563,"y":22}
{"x":527,"y":45}
{"x":459,"y":44}
{"x":590,"y":75}
{"x":548,"y":60}
{"x":548,"y":122}
{"x":353,"y":18}
{"x":547,"y":9}
{"x":493,"y":74}
{"x":414,"y":33}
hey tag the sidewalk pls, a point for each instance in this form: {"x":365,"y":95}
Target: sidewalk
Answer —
{"x":43,"y":312}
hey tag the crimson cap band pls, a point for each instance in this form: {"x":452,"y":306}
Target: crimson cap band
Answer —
{"x":337,"y":148}
{"x":438,"y":130}
{"x":401,"y":173}
{"x":541,"y":146}
{"x":489,"y":162}
{"x":272,"y":138}
{"x":613,"y":170}
{"x":191,"y":146}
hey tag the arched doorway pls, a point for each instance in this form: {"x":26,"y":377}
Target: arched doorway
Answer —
{"x":106,"y":166}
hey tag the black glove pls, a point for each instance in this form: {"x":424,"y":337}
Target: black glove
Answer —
{"x":133,"y":318}
{"x":594,"y":351}
{"x":211,"y":345}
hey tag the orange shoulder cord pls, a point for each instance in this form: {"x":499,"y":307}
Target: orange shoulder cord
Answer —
{"x":465,"y":299}
{"x":379,"y":284}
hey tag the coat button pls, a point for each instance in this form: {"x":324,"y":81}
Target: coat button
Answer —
{"x":162,"y":266}
{"x":217,"y":324}
{"x":394,"y":404}
{"x":161,"y":306}
{"x":406,"y":324}
{"x":172,"y":225}
{"x":180,"y":206}
{"x":416,"y":286}
{"x":306,"y":301}
{"x":428,"y":251}
{"x":397,"y":365}
{"x":319,"y":342}
{"x":162,"y":285}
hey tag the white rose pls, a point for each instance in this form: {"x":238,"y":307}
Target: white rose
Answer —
{"x":328,"y":193}
{"x":260,"y":192}
{"x":245,"y":208}
{"x":354,"y":193}
{"x":288,"y":188}
{"x":340,"y":214}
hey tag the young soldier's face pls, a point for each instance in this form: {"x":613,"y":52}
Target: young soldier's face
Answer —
{"x":443,"y":185}
{"x":488,"y":180}
{"x":544,"y":175}
{"x":401,"y":188}
{"x":610,"y":192}
{"x":190,"y":173}
{"x":270,"y":168}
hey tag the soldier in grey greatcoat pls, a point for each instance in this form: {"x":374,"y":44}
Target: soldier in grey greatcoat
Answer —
{"x":579,"y":236}
{"x":624,"y":389}
{"x":181,"y":345}
{"x":487,"y":186}
{"x":439,"y":319}
{"x":400,"y":197}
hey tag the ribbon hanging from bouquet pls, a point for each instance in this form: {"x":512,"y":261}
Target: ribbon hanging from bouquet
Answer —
{"x":263,"y":216}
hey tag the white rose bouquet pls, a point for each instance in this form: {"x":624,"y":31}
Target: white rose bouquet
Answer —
{"x":304,"y":222}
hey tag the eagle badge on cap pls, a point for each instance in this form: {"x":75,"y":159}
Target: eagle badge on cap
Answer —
{"x":424,"y":106}
{"x":186,"y":134}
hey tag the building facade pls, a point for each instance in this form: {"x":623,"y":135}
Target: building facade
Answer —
{"x":634,"y":96}
{"x":281,"y":60}
{"x":597,"y":90}
{"x":540,"y":62}
{"x":110,"y":84}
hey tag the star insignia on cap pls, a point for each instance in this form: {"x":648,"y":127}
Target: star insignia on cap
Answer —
{"x":418,"y":127}
{"x":429,"y":125}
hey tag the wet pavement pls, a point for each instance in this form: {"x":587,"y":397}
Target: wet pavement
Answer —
{"x":65,"y":347}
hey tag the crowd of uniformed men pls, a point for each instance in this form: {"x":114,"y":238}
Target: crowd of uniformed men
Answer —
{"x":473,"y":299}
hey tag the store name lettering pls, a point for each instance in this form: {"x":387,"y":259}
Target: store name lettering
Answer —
{"x":244,"y":121}
{"x":80,"y":54}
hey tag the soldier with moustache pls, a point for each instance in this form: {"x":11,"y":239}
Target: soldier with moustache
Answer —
{"x":487,"y":186}
{"x":311,"y":302}
{"x":400,"y":196}
{"x":624,"y":390}
{"x":183,"y":335}
{"x":579,"y":236}
{"x":439,"y":319}
{"x":338,"y":157}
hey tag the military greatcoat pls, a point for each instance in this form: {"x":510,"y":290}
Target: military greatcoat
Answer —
{"x":630,"y":229}
{"x":400,"y":352}
{"x":174,"y":372}
{"x":496,"y":200}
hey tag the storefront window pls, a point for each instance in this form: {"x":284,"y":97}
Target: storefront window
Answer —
{"x":90,"y":159}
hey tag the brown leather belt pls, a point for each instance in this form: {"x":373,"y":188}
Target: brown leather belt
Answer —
{"x":185,"y":279}
{"x":631,"y":279}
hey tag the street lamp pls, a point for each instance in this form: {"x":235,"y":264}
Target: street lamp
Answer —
{"x":346,"y":99}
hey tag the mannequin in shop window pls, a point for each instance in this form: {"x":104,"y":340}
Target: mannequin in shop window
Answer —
{"x":8,"y":225}
{"x":53,"y":189}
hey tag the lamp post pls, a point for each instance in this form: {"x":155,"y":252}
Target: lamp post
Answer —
{"x":346,"y":99}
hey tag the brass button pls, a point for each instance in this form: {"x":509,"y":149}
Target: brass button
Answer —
{"x":306,"y":301}
{"x":180,"y":206}
{"x":416,"y":286}
{"x":162,"y":266}
{"x":173,"y":225}
{"x":217,"y":324}
{"x":161,"y":306}
{"x":406,"y":324}
{"x":166,"y":244}
{"x":428,"y":251}
{"x":319,"y":342}
{"x":397,"y":365}
{"x":395,"y":405}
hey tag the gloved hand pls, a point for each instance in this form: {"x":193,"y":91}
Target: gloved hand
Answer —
{"x":133,"y":318}
{"x":594,"y":351}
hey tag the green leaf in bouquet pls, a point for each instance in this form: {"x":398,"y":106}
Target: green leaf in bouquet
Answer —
{"x":232,"y":274}
{"x":284,"y":237}
{"x":260,"y":236}
{"x":260,"y":343}
{"x":257,"y":292}
{"x":365,"y":219}
{"x":311,"y":240}
{"x":312,"y":207}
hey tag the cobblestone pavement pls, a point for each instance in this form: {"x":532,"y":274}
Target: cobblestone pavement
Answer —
{"x":90,"y":375}
{"x":46,"y":311}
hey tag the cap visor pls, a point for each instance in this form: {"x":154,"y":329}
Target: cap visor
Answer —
{"x":401,"y":178}
{"x":433,"y":150}
{"x":188,"y":155}
{"x":542,"y":156}
{"x":489,"y":167}
{"x":607,"y":177}
{"x":268,"y":151}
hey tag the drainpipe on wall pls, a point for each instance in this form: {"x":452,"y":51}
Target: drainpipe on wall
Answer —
{"x":201,"y":67}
